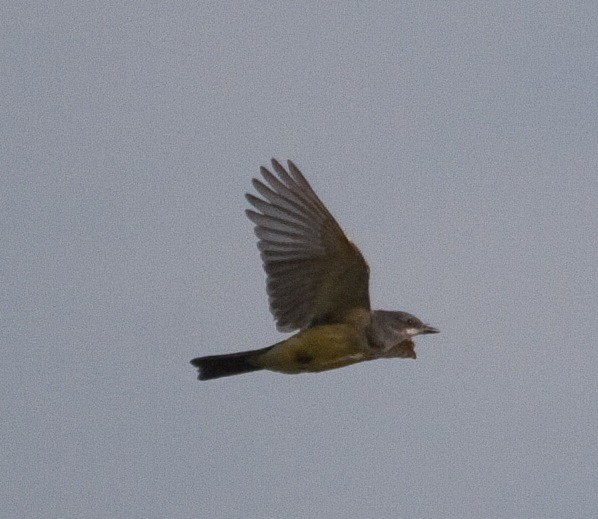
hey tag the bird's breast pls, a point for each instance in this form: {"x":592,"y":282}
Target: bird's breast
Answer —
{"x":317,"y":349}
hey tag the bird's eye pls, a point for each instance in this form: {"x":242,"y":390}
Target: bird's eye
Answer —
{"x":411,"y":322}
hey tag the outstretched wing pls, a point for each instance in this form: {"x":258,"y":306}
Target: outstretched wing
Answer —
{"x":315,"y":274}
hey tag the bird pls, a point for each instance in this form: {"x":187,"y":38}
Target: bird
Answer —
{"x":318,"y":286}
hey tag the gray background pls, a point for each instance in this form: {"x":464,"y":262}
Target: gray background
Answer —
{"x":456,"y":143}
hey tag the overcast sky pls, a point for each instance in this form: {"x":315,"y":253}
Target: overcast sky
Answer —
{"x":455,"y":142}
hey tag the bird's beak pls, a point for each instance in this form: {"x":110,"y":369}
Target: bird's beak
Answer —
{"x":430,"y":329}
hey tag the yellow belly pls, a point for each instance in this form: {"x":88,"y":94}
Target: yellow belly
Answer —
{"x":316,"y":349}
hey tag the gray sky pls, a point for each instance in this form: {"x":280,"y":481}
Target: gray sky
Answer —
{"x":456,"y":143}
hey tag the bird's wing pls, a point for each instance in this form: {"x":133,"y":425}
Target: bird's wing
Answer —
{"x":404,"y":350}
{"x":315,"y":274}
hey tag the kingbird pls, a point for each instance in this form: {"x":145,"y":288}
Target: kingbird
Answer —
{"x":317,"y":283}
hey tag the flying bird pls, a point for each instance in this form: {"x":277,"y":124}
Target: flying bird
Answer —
{"x":318,"y":284}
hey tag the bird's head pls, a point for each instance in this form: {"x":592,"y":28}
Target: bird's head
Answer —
{"x":410,"y":324}
{"x":390,"y":328}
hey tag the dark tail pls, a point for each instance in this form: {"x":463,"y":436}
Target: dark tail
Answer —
{"x":216,"y":366}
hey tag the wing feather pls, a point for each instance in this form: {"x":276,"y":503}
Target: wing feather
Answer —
{"x":314,"y":273}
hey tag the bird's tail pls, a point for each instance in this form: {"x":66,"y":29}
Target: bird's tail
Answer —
{"x":216,"y":366}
